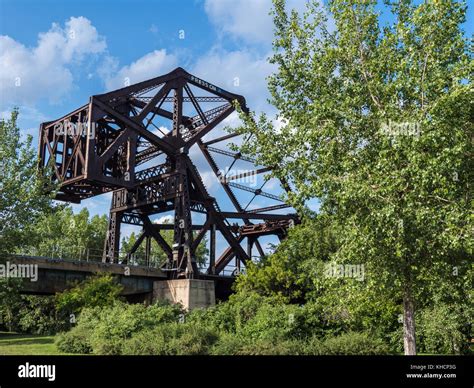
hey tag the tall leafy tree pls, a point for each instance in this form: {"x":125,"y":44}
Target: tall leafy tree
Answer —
{"x":22,"y":187}
{"x":22,"y":202}
{"x":71,"y":236}
{"x":378,"y":126}
{"x":288,"y":272}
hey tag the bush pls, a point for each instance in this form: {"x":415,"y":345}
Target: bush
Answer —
{"x":108,"y":327}
{"x":238,"y":345}
{"x":38,"y":315}
{"x":171,"y":339}
{"x":269,"y":348}
{"x":257,"y":316}
{"x":228,"y":344}
{"x":277,"y":322}
{"x":119,"y":322}
{"x":96,"y":291}
{"x":34,"y":314}
{"x":263,"y":318}
{"x":353,"y":343}
{"x":234,"y":315}
{"x":345,"y":344}
{"x":76,"y":340}
{"x":246,"y":325}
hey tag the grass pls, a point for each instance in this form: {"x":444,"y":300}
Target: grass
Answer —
{"x":13,"y":344}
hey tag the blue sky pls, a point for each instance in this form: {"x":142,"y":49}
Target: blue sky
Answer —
{"x":62,"y":52}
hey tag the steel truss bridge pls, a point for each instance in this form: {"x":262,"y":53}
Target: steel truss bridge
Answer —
{"x":118,"y":143}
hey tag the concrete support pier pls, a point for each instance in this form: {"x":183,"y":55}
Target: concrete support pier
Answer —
{"x":191,"y":293}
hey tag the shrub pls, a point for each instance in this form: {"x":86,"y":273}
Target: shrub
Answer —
{"x":269,"y":348}
{"x":38,"y":316}
{"x":108,"y":327}
{"x":76,"y":340}
{"x":345,"y":344}
{"x":189,"y":339}
{"x":119,"y":322}
{"x":99,"y":290}
{"x":228,"y":344}
{"x":277,"y":322}
{"x":147,"y":342}
{"x":171,"y":339}
{"x":239,"y":345}
{"x":246,"y":325}
{"x":353,"y":343}
{"x":233,"y":315}
{"x":249,"y":312}
{"x":257,"y":317}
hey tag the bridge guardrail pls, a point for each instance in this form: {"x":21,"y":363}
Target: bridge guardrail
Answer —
{"x":92,"y":255}
{"x":95,"y":255}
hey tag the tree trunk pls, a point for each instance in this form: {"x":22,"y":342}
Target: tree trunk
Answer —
{"x":409,"y":342}
{"x":9,"y":323}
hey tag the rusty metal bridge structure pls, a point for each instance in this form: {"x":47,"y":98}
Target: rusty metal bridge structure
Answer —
{"x":135,"y":143}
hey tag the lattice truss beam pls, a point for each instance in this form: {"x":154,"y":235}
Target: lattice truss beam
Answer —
{"x":135,"y":142}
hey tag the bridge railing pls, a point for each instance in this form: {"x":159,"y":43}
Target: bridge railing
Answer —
{"x":93,"y":255}
{"x":233,"y":270}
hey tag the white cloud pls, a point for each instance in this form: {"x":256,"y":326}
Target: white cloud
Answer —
{"x":249,"y":20}
{"x":72,"y":43}
{"x":167,"y":219}
{"x":151,"y":65}
{"x":243,"y":71}
{"x":26,"y":113}
{"x":159,"y":131}
{"x":28,"y":119}
{"x":28,"y":74}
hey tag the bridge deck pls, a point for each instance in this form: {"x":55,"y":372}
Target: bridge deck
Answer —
{"x":56,"y":275}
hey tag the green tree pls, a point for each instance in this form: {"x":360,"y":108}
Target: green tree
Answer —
{"x":296,"y":273}
{"x":22,"y":188}
{"x":378,"y":126}
{"x":10,"y":301}
{"x":22,"y":201}
{"x":67,"y":235}
{"x":284,"y":273}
